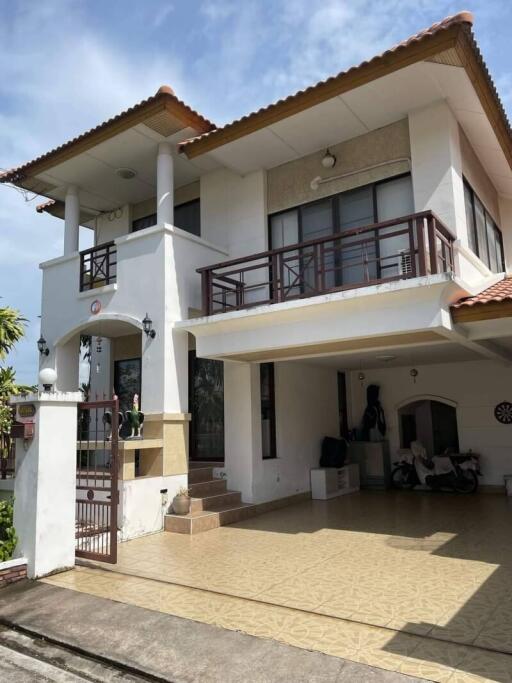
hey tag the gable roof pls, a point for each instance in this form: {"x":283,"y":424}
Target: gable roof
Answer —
{"x":452,"y":32}
{"x":164,"y":100}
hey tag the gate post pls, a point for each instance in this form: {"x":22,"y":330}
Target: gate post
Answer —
{"x":44,"y":487}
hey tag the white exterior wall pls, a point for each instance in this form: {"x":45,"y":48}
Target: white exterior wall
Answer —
{"x":234,"y":211}
{"x":475,"y":386}
{"x":437,"y":166}
{"x":141,"y":505}
{"x":306,"y":411}
{"x":505,"y":205}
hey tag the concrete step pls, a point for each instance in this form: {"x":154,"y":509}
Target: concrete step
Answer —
{"x":216,"y":501}
{"x":207,"y":488}
{"x":205,"y":520}
{"x":197,"y":475}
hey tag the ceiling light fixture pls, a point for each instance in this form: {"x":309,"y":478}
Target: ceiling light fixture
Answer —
{"x":126,"y":173}
{"x":328,"y":160}
{"x":386,"y":357}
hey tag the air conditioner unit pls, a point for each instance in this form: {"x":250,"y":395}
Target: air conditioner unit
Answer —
{"x":405,"y":262}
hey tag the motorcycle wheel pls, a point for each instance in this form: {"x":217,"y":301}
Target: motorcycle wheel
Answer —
{"x":466,"y":482}
{"x":401,"y":479}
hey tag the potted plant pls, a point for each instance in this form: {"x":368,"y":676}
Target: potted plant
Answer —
{"x":181,"y":502}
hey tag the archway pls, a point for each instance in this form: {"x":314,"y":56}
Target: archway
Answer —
{"x":430,"y":420}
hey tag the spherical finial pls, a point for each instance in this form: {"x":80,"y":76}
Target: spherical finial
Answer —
{"x":165,"y":90}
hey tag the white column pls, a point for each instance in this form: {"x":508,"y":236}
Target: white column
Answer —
{"x":165,"y":184}
{"x":242,"y":431}
{"x":71,"y":220}
{"x":45,"y":484}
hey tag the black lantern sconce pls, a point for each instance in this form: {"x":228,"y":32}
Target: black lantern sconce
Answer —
{"x":147,"y":326}
{"x":43,"y":346}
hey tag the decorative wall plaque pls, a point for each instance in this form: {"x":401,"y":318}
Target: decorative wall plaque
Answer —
{"x":95,"y":307}
{"x":26,"y":410}
{"x":503,"y":412}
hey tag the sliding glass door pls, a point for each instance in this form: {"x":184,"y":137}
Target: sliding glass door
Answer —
{"x":353,"y":259}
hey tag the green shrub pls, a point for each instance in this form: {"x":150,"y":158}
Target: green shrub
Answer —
{"x":8,"y":538}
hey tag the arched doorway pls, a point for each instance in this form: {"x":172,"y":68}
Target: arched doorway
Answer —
{"x":430,"y":421}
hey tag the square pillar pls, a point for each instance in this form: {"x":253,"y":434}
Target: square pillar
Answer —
{"x":242,"y":419}
{"x":437,"y":166}
{"x":45,"y":484}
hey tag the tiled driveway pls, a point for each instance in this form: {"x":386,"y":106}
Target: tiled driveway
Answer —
{"x":418,"y":583}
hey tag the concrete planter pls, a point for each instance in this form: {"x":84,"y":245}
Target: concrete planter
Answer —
{"x":181,"y":505}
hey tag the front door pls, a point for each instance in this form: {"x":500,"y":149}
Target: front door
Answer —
{"x":206,"y":405}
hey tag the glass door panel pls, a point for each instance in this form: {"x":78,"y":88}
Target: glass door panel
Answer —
{"x":358,"y":254}
{"x":317,"y":221}
{"x":284,"y":230}
{"x":206,"y":404}
{"x":394,"y":199}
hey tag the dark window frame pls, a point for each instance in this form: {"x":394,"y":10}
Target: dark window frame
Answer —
{"x":333,"y":198}
{"x":271,"y":409}
{"x":153,"y":217}
{"x":472,"y":226}
{"x":335,"y":214}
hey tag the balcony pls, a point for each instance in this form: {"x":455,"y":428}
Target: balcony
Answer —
{"x":98,"y":266}
{"x":398,"y":249}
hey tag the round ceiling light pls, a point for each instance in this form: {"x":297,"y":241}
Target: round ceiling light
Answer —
{"x":126,"y":173}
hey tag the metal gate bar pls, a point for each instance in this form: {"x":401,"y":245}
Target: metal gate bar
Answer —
{"x":97,"y":480}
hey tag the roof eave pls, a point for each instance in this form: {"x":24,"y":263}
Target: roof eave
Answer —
{"x":163,"y":100}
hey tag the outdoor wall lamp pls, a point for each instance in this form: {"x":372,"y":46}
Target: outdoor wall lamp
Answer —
{"x":42,"y":346}
{"x":147,"y":326}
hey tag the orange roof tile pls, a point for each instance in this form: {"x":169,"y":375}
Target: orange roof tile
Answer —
{"x":164,"y":93}
{"x":501,"y":291}
{"x":464,"y":17}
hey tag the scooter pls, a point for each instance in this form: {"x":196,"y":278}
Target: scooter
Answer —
{"x":454,"y":472}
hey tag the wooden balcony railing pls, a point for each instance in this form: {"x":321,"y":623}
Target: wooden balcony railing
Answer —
{"x":98,"y":266}
{"x":403,"y":248}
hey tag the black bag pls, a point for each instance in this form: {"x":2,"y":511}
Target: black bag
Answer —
{"x":334,"y":452}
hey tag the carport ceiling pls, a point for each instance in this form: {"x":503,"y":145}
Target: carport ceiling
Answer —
{"x":398,"y":356}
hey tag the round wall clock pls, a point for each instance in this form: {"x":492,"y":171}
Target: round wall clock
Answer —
{"x":503,"y":412}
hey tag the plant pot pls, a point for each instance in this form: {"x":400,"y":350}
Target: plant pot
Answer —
{"x":181,"y":505}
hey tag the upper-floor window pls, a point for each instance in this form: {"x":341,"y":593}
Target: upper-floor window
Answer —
{"x":484,"y":236}
{"x":341,"y":213}
{"x":186,"y":216}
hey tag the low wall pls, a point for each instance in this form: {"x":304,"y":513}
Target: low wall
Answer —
{"x":12,"y":571}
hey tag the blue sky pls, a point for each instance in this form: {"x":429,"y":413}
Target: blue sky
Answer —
{"x":66,"y":65}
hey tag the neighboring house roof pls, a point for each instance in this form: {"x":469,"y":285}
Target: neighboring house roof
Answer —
{"x":501,"y":291}
{"x":494,"y":302}
{"x":452,"y":32}
{"x":163,"y":99}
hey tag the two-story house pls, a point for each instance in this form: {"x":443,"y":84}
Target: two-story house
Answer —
{"x":338,"y":238}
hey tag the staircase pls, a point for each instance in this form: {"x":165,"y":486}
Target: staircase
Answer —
{"x":211,"y":504}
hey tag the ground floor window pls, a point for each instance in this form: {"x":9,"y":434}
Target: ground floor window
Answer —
{"x":206,"y":404}
{"x":268,"y":411}
{"x":431,"y":422}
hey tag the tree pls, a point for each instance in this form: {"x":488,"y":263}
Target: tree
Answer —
{"x":12,"y":329}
